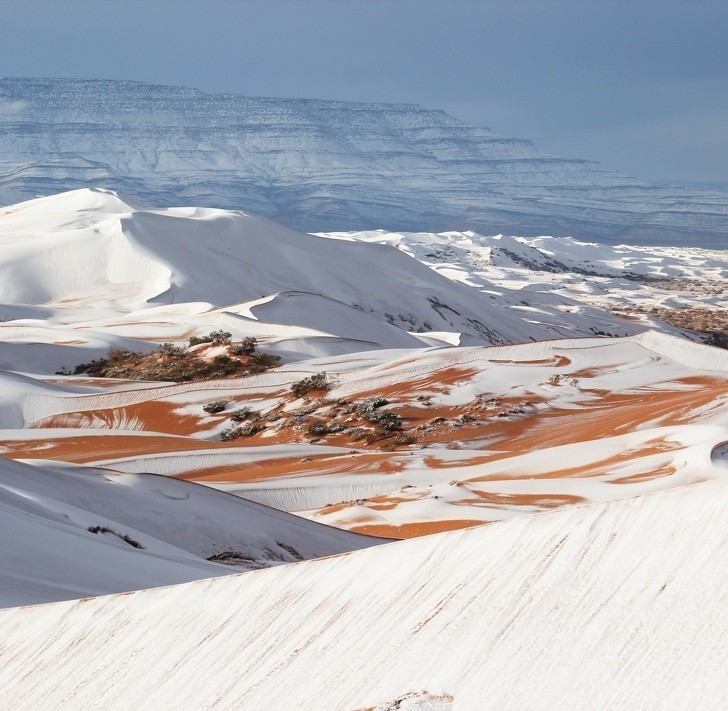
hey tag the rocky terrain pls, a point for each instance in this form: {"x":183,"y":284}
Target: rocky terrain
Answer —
{"x":325,"y":165}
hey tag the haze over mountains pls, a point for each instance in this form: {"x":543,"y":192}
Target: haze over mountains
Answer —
{"x":324,"y":165}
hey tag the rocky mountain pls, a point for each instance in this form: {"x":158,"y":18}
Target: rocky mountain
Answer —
{"x":326,"y":165}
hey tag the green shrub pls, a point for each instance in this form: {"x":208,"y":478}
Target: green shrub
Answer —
{"x":214,"y":407}
{"x":312,"y":383}
{"x":244,"y":413}
{"x":245,"y":347}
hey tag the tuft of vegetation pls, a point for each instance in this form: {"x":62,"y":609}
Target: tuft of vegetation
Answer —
{"x":371,"y":411}
{"x":178,"y":364}
{"x":214,"y":407}
{"x":313,"y":383}
{"x":245,"y":347}
{"x":231,"y":558}
{"x":319,"y":428}
{"x":290,"y":549}
{"x":264,"y":361}
{"x":241,"y":431}
{"x":123,"y":537}
{"x":171,"y":351}
{"x":244,"y":413}
{"x":217,"y":338}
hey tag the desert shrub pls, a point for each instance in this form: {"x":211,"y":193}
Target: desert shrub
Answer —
{"x":244,"y":413}
{"x":115,"y":358}
{"x":385,"y":420}
{"x":245,"y":347}
{"x":214,"y":407}
{"x":231,"y":558}
{"x":241,"y":431}
{"x":171,"y":351}
{"x":217,"y":338}
{"x":265,"y":360}
{"x":220,"y":338}
{"x":175,"y":363}
{"x":312,"y":383}
{"x":319,"y":428}
{"x":306,"y":410}
{"x":389,"y":421}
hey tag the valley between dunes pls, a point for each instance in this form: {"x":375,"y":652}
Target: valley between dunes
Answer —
{"x":491,"y":432}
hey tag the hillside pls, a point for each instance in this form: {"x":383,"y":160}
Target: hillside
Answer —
{"x":415,"y":425}
{"x":324,"y":165}
{"x":87,"y":269}
{"x":612,"y":605}
{"x":73,"y":532}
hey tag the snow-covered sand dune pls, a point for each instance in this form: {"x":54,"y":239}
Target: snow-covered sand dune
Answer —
{"x":72,"y":532}
{"x":84,"y":270}
{"x":616,"y":605}
{"x":492,"y":433}
{"x":552,"y":276}
{"x":479,"y":434}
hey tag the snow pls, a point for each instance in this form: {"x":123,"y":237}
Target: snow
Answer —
{"x":610,"y":605}
{"x":97,"y":262}
{"x":326,"y":165}
{"x":599,"y":464}
{"x":582,"y":420}
{"x":569,"y":282}
{"x":88,"y":269}
{"x":49,"y":554}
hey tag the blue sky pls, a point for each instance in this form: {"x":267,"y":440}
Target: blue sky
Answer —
{"x":640,"y":85}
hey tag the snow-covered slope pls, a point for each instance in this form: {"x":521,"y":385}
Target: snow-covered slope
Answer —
{"x":563,"y":275}
{"x":318,"y":165}
{"x":71,"y":532}
{"x":617,"y":605}
{"x":485,"y":433}
{"x":86,"y":267}
{"x":556,"y":255}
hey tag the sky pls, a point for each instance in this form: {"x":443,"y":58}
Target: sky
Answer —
{"x":639,"y":85}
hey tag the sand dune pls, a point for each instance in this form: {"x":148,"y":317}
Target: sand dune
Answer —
{"x":466,"y":380}
{"x":611,"y":605}
{"x":495,"y":432}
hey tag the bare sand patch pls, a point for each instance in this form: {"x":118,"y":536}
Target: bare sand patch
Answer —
{"x":414,"y":530}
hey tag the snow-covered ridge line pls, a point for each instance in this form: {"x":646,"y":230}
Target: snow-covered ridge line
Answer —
{"x":88,"y":269}
{"x":693,"y":355}
{"x":325,"y":165}
{"x":617,"y":604}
